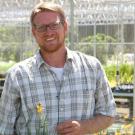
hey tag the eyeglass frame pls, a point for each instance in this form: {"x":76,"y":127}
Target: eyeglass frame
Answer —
{"x":45,"y":26}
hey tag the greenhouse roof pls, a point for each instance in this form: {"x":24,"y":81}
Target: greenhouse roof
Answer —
{"x":85,"y":12}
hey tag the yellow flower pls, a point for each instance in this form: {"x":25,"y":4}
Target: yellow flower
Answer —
{"x":39,"y":108}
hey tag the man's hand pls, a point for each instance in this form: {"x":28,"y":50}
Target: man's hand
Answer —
{"x":93,"y":125}
{"x":70,"y":128}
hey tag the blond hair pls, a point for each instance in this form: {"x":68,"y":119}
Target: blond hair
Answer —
{"x":47,"y":6}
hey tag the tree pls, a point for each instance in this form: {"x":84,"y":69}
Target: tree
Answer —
{"x":103,"y":46}
{"x":15,"y":42}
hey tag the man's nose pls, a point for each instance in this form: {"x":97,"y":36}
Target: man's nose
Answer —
{"x":48,"y":31}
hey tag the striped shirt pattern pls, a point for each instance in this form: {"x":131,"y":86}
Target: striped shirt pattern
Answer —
{"x":82,"y":93}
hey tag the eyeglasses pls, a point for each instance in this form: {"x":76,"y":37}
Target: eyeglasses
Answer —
{"x":43,"y":28}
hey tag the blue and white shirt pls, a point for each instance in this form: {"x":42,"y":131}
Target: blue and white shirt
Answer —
{"x":82,"y":93}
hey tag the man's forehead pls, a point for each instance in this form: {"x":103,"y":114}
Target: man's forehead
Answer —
{"x":48,"y":13}
{"x":49,"y":16}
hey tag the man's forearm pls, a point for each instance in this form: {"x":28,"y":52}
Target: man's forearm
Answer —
{"x":97,"y":123}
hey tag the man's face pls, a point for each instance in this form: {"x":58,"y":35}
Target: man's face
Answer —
{"x":49,"y":31}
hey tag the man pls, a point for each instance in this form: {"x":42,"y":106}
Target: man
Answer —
{"x":69,"y":88}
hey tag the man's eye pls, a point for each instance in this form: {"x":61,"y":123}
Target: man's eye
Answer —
{"x":53,"y":26}
{"x":40,"y":27}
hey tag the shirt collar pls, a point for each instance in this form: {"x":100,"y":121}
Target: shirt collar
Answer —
{"x":69,"y":54}
{"x":40,"y":60}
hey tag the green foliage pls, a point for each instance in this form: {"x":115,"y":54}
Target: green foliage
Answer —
{"x":126,"y":73}
{"x":110,"y":72}
{"x":102,"y":47}
{"x":4,"y":66}
{"x":100,"y":38}
{"x":9,"y":37}
{"x":14,"y":43}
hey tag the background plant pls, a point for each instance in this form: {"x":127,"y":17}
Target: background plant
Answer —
{"x":103,"y":46}
{"x":126,"y":73}
{"x":4,"y":66}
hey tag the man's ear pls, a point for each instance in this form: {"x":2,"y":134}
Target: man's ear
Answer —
{"x":66,"y":27}
{"x":33,"y":31}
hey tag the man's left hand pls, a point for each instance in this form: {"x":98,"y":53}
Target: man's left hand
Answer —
{"x":70,"y":128}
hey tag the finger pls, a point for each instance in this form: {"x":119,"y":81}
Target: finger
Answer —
{"x":66,"y":124}
{"x":67,"y":130}
{"x":75,"y":123}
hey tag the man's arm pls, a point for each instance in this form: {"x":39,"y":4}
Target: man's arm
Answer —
{"x":8,"y":107}
{"x":97,"y":124}
{"x":83,"y":127}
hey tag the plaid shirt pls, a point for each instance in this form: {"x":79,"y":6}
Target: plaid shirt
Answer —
{"x":82,"y":93}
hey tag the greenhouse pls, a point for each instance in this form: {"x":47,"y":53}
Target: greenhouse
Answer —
{"x":101,"y":28}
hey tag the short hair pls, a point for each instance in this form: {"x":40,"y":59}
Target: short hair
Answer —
{"x":47,"y":6}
